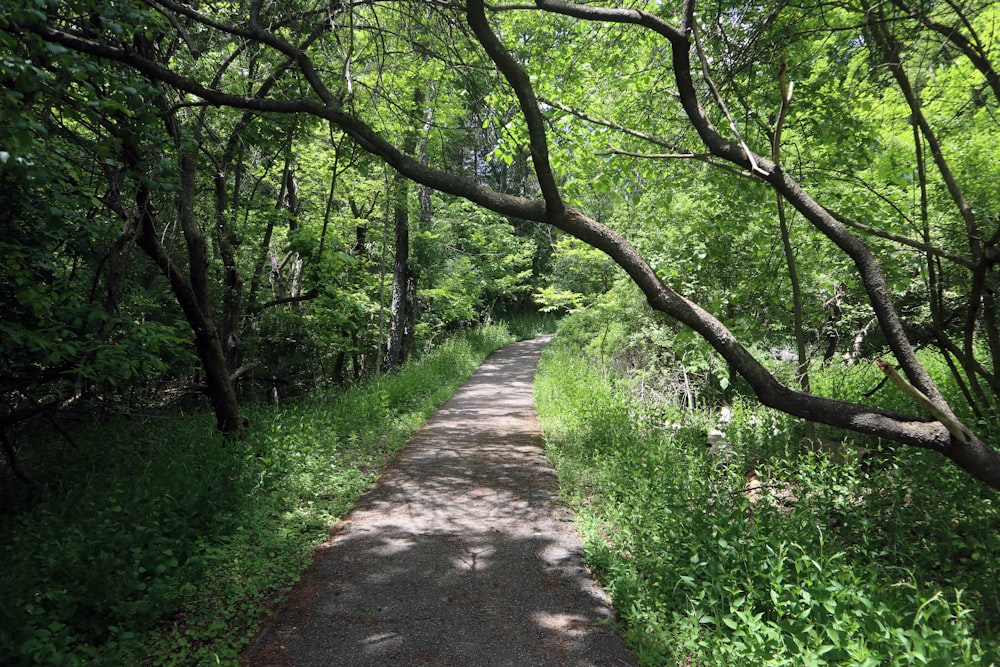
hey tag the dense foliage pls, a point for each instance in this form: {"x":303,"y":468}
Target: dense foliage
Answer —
{"x":156,"y":545}
{"x":804,"y":177}
{"x":757,"y":550}
{"x":740,"y":203}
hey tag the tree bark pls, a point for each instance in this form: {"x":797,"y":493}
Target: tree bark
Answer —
{"x":400,"y":339}
{"x":191,"y":291}
{"x":208,"y":346}
{"x":395,"y":345}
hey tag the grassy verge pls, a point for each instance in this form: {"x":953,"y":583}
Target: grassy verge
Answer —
{"x":832,"y":560}
{"x":157,"y":543}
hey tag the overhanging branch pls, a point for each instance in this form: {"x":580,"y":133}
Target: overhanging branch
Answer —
{"x":521,"y":84}
{"x":974,"y":457}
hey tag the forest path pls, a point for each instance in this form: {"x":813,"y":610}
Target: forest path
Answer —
{"x":460,"y":555}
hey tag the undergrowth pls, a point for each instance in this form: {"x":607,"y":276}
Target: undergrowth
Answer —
{"x":767,"y":552}
{"x":157,"y":543}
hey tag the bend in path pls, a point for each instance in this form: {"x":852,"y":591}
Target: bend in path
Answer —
{"x":460,"y":555}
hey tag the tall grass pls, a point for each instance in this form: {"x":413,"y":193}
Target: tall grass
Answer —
{"x":836,"y":557}
{"x":157,"y":543}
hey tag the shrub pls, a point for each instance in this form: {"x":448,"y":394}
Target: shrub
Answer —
{"x":837,"y":557}
{"x":158,"y":543}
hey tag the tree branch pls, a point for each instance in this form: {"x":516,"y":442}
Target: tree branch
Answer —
{"x":902,"y":240}
{"x":973,"y":456}
{"x":721,"y":103}
{"x":519,"y":81}
{"x":700,"y":157}
{"x":305,"y":296}
{"x":707,"y":158}
{"x":974,"y":52}
{"x":368,"y":139}
{"x":953,"y":425}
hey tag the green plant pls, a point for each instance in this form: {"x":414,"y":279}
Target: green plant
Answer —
{"x":158,"y":544}
{"x":836,"y":556}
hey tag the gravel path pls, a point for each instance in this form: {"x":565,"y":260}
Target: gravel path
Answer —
{"x":461,"y":554}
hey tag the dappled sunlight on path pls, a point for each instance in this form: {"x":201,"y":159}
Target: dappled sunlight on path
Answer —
{"x":461,"y":555}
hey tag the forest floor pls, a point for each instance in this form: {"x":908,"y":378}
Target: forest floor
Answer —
{"x":462,"y":553}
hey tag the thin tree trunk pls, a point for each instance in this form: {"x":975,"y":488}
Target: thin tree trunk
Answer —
{"x":802,"y":364}
{"x":424,"y":217}
{"x":381,"y":278}
{"x":192,"y":291}
{"x":394,"y":353}
{"x":976,"y":303}
{"x":400,"y":309}
{"x":264,"y":252}
{"x":208,"y":346}
{"x":232,"y":302}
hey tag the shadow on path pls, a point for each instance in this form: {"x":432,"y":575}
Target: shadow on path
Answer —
{"x":461,"y":554}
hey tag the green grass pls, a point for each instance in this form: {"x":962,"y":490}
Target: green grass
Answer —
{"x":845,"y":559}
{"x":158,"y":543}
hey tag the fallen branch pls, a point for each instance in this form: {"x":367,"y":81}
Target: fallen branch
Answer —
{"x":949,"y":422}
{"x":242,"y":370}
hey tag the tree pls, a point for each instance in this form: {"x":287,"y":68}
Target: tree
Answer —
{"x":80,"y":318}
{"x":682,"y":41}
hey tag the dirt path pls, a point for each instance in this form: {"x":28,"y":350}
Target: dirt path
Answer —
{"x":461,"y":554}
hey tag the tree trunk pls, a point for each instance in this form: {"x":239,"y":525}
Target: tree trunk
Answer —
{"x":232,"y":309}
{"x":403,"y":282}
{"x":802,"y":364}
{"x":398,"y":304}
{"x":959,"y":445}
{"x":191,"y":292}
{"x":208,"y":346}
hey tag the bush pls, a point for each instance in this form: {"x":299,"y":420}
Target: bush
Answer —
{"x":835,"y":557}
{"x":158,"y":543}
